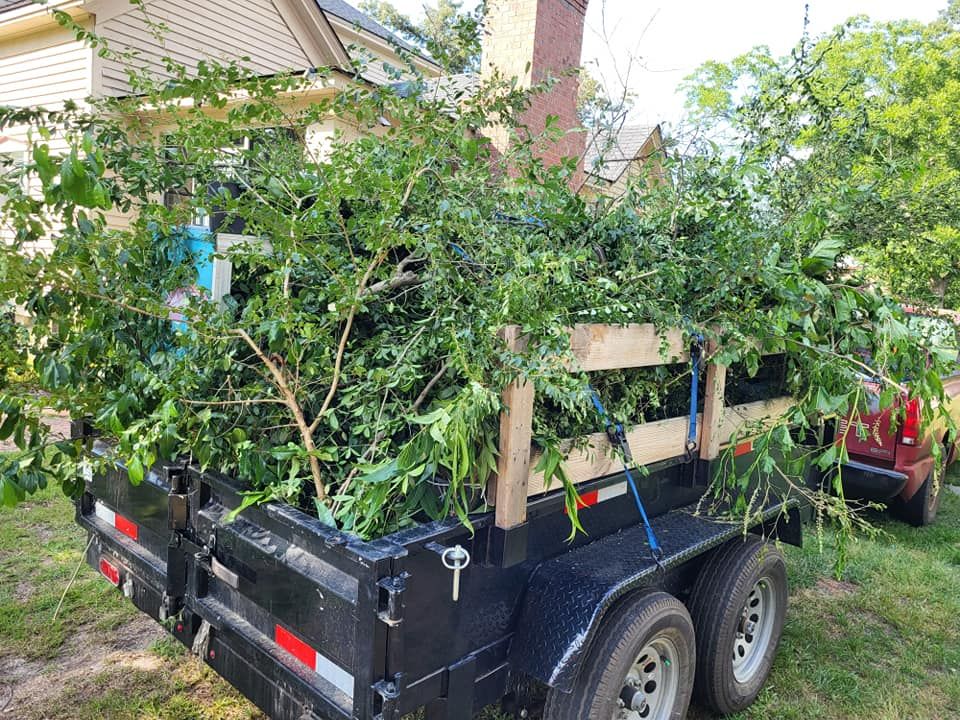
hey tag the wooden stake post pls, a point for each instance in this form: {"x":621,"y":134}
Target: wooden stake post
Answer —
{"x":712,"y":407}
{"x":516,"y":426}
{"x":612,"y":347}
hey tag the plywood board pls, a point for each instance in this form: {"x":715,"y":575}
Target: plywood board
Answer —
{"x":744,"y":421}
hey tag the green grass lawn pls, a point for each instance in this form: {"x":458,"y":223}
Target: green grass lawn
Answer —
{"x":882,"y":643}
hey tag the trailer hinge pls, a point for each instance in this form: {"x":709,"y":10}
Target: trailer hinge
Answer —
{"x":389,"y":692}
{"x":392,"y":589}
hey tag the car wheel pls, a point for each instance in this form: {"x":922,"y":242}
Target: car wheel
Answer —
{"x":738,"y":605}
{"x":640,"y":666}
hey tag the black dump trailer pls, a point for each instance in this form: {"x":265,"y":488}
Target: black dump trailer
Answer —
{"x":313,"y":623}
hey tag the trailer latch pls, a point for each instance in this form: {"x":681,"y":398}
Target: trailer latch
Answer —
{"x":389,"y":692}
{"x":206,"y":560}
{"x":391,"y":599}
{"x":177,"y":504}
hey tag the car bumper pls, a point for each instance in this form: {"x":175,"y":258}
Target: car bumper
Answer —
{"x":867,"y":482}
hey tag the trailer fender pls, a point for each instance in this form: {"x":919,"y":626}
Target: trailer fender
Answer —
{"x":568,"y":596}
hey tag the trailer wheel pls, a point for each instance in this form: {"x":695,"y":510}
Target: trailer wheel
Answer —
{"x":640,"y":666}
{"x":921,"y":509}
{"x":738,"y":605}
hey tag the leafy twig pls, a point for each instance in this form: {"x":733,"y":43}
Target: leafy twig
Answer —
{"x":338,"y":363}
{"x":429,"y":386}
{"x":290,"y":400}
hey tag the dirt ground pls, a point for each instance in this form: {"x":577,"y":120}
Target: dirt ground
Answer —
{"x":98,"y":658}
{"x":59,"y":428}
{"x":85,"y":655}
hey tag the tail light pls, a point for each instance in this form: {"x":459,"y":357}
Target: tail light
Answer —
{"x":910,"y":432}
{"x":110,"y":571}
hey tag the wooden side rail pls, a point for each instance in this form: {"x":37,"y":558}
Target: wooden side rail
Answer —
{"x":655,"y":441}
{"x":649,"y":442}
{"x":613,"y":347}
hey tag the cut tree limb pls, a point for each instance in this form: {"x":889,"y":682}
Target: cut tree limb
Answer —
{"x":290,"y":399}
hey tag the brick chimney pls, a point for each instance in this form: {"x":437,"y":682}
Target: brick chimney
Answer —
{"x":533,"y":40}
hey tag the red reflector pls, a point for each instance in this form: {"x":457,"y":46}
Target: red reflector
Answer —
{"x":296,"y":647}
{"x":588,"y":499}
{"x":743,"y":448}
{"x":911,"y":423}
{"x":110,"y":572}
{"x":126,"y":527}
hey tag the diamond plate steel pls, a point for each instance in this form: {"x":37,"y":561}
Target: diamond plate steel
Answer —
{"x":568,"y":596}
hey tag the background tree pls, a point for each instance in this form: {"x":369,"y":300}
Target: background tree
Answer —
{"x":861,"y":128}
{"x":450,"y":34}
{"x":597,"y":108}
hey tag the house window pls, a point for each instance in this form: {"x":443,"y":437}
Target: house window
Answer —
{"x":232,"y":168}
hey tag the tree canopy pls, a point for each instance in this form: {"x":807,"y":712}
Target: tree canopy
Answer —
{"x":860,"y":127}
{"x":450,"y":34}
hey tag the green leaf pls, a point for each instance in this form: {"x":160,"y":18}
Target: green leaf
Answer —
{"x":324,"y":513}
{"x":10,"y":493}
{"x":135,"y":470}
{"x":822,"y":257}
{"x":380,"y":473}
{"x":10,"y":421}
{"x":828,"y":458}
{"x":46,"y":169}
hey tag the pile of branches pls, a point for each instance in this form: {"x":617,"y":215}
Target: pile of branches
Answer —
{"x":356,"y":366}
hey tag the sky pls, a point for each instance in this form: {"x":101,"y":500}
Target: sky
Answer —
{"x":669,"y":40}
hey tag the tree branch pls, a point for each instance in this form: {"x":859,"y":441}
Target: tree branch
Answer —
{"x":399,"y":280}
{"x":224,"y":403}
{"x":290,"y":400}
{"x":401,"y":277}
{"x":338,"y":363}
{"x":430,"y":385}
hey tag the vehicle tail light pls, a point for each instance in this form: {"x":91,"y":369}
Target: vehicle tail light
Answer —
{"x":910,"y":433}
{"x":110,"y":571}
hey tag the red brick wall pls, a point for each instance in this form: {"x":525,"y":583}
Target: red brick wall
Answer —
{"x":548,"y":34}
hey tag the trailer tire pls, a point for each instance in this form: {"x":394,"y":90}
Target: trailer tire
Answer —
{"x":921,"y":509}
{"x":645,"y":651}
{"x":742,"y":586}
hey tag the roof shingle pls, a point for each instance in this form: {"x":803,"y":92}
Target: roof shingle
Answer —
{"x":347,"y":12}
{"x":610,"y":152}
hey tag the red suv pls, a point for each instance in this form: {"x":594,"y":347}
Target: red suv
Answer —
{"x":892,"y":461}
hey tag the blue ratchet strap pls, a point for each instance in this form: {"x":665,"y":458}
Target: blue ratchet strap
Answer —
{"x":696,"y":355}
{"x":618,"y":438}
